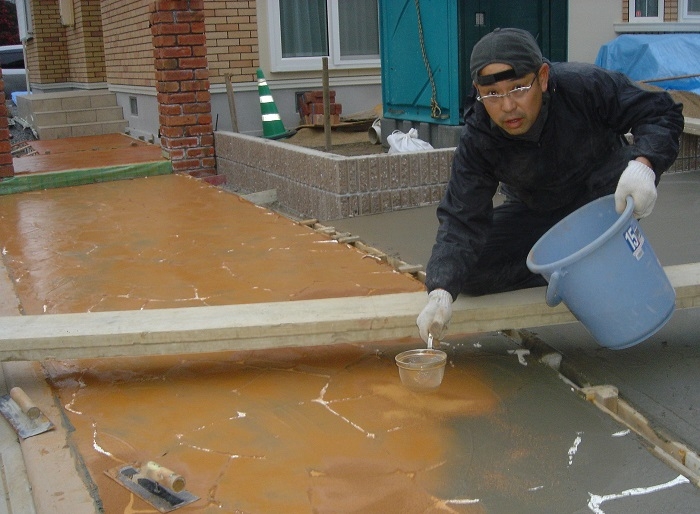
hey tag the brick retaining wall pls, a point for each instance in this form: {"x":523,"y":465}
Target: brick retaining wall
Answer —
{"x":314,"y":184}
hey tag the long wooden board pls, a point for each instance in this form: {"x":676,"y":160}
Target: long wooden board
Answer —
{"x":282,"y":324}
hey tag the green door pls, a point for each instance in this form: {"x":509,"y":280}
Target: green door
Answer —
{"x":547,"y":20}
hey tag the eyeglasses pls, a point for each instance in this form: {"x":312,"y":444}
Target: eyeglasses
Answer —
{"x":515,"y":93}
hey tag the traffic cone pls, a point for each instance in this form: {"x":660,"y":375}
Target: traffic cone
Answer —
{"x":273,"y":128}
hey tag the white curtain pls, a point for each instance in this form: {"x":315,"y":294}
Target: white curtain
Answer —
{"x":304,"y":25}
{"x":647,"y":8}
{"x":359,"y":28}
{"x":304,"y":28}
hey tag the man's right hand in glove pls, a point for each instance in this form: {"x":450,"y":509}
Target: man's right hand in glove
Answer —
{"x":435,"y":316}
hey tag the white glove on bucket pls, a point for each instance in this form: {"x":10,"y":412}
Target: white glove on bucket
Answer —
{"x":435,"y":316}
{"x":636,"y":181}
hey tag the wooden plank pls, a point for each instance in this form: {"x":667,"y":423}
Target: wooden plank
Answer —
{"x":692,"y":126}
{"x":281,"y":324}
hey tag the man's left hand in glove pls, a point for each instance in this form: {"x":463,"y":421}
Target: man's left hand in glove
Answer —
{"x":637,"y":181}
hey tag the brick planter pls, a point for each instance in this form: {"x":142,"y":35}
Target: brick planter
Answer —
{"x":314,"y":184}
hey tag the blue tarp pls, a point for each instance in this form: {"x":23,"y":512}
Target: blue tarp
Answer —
{"x":654,"y":56}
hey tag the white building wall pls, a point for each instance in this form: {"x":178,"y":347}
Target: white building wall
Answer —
{"x":590,"y":26}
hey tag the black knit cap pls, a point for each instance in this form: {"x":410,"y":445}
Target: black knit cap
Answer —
{"x":514,"y":47}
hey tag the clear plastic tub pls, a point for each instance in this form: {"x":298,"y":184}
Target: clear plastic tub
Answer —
{"x":422,"y":369}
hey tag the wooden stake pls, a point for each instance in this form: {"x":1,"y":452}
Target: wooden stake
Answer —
{"x":326,"y":105}
{"x":231,"y":103}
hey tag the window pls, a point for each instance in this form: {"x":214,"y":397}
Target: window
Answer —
{"x":690,"y":10}
{"x":133,"y":106}
{"x":646,"y":10}
{"x":303,"y":31}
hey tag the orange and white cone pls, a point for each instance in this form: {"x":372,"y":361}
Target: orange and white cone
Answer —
{"x":273,"y":128}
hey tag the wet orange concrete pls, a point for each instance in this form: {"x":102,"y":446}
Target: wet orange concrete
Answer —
{"x":171,"y":241}
{"x":332,"y":430}
{"x":296,"y":430}
{"x":86,"y":152}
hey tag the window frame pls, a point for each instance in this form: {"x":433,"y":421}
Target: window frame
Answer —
{"x":335,"y":59}
{"x":25,"y":20}
{"x":646,"y":19}
{"x":684,"y":13}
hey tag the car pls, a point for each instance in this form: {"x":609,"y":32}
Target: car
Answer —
{"x":13,"y":71}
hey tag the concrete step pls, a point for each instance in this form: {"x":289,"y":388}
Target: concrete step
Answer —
{"x":81,"y":129}
{"x":91,"y":115}
{"x":65,"y":101}
{"x":72,"y":113}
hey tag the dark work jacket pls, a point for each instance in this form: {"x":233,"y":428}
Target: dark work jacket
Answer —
{"x":579,"y":156}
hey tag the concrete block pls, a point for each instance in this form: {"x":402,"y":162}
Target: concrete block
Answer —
{"x":102,"y":99}
{"x":55,"y":132}
{"x":39,"y":104}
{"x":113,"y":113}
{"x":47,"y":119}
{"x":70,"y":103}
{"x":81,"y":116}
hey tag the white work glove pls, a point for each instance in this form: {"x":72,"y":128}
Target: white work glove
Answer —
{"x":435,"y":316}
{"x":636,"y":181}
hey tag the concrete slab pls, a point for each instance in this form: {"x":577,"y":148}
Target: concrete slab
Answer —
{"x":332,"y":430}
{"x":171,"y":241}
{"x":658,"y":376}
{"x":73,"y":153}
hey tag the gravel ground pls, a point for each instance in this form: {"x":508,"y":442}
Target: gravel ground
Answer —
{"x":18,"y":134}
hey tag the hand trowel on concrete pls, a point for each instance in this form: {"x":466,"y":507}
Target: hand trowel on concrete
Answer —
{"x":155,"y":484}
{"x":25,"y":417}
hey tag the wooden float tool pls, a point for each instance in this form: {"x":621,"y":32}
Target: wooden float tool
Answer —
{"x":157,"y":485}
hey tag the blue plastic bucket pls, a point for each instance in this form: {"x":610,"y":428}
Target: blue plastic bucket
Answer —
{"x":604,"y":270}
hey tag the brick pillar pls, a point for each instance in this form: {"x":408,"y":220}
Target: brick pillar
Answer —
{"x":182,"y":82}
{"x":6,"y":167}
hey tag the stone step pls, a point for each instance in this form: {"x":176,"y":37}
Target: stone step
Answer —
{"x":81,"y":129}
{"x":67,"y":101}
{"x":69,"y":117}
{"x":72,"y":113}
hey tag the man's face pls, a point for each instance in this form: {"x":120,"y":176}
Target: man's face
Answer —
{"x":514,"y":115}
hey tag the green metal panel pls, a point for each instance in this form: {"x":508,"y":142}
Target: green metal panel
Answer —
{"x":407,"y":90}
{"x":547,"y":20}
{"x":451,"y":28}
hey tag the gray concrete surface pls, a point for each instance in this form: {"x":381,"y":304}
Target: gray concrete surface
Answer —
{"x":658,"y":377}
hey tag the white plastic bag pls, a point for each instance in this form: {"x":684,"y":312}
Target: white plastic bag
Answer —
{"x":401,"y":143}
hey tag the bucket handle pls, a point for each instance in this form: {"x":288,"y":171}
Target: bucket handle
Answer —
{"x":552,"y":297}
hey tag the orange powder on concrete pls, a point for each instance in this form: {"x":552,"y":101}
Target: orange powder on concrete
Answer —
{"x":288,"y":430}
{"x":171,"y":241}
{"x":326,"y":429}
